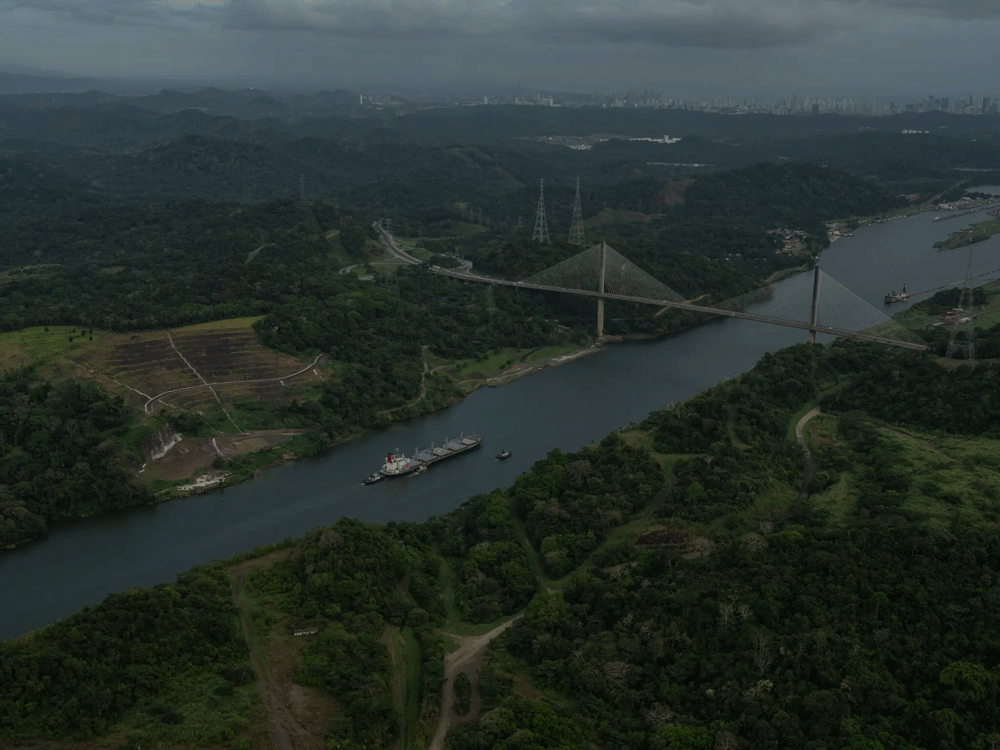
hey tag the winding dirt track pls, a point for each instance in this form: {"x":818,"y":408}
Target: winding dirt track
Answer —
{"x":800,"y":436}
{"x":469,"y":648}
{"x":279,"y":719}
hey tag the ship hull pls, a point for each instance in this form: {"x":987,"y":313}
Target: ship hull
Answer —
{"x":430,"y":456}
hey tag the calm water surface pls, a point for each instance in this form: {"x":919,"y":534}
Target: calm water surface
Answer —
{"x":565,"y":407}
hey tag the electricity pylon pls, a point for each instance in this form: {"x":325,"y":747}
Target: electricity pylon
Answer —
{"x":541,"y":232}
{"x":576,"y":226}
{"x":963,"y":335}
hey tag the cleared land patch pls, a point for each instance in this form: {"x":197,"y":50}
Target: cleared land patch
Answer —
{"x":297,"y":716}
{"x":142,"y":366}
{"x":47,"y":346}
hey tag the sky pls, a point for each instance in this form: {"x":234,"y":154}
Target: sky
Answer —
{"x":683,"y":48}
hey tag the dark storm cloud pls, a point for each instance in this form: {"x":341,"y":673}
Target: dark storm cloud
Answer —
{"x":96,"y":12}
{"x":963,"y":10}
{"x":732,"y":28}
{"x":718,"y":24}
{"x":703,"y":23}
{"x":722,"y":24}
{"x":371,"y":18}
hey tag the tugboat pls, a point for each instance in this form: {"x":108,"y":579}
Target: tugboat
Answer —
{"x":897,"y":296}
{"x":376,"y":477}
{"x":505,"y":453}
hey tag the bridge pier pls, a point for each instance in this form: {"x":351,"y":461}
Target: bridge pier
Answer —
{"x":600,"y":288}
{"x":813,"y":317}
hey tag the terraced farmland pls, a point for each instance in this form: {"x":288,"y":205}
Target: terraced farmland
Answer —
{"x":175,"y":366}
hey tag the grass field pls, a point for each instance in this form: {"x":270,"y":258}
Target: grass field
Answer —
{"x":547,"y":352}
{"x":231,"y":324}
{"x":489,"y":367}
{"x":47,"y":347}
{"x":951,"y":478}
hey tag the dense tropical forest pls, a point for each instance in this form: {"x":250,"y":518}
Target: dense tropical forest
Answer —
{"x":681,"y":584}
{"x":688,"y":582}
{"x":64,"y":453}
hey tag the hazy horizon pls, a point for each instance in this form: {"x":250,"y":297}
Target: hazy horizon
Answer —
{"x":706,"y":48}
{"x":148,"y":84}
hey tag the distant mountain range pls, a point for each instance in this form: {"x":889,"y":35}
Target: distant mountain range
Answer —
{"x":33,"y":91}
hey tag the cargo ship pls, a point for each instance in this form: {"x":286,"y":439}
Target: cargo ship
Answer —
{"x":400,"y":466}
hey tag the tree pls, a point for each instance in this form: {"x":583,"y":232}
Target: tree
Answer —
{"x":974,"y":680}
{"x":761,"y":651}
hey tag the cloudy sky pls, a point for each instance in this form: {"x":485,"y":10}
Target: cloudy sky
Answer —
{"x":819,"y":47}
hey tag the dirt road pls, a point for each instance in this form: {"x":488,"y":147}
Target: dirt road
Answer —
{"x":286,"y":730}
{"x":470,"y":647}
{"x":800,"y":436}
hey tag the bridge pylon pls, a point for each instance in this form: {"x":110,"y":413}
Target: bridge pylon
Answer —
{"x":814,"y":312}
{"x":600,"y":289}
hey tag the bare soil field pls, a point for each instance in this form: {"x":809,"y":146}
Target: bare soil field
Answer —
{"x":141,"y":366}
{"x":192,"y":455}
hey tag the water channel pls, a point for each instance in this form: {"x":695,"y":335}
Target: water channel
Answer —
{"x":565,"y":407}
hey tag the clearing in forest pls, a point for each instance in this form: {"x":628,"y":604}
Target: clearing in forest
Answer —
{"x":466,"y":659}
{"x":297,"y":716}
{"x":48,"y":347}
{"x":176,"y":366}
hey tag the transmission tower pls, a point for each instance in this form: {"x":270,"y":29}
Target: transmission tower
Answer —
{"x":576,"y":226}
{"x":963,"y":334}
{"x":541,"y":232}
{"x":302,"y":187}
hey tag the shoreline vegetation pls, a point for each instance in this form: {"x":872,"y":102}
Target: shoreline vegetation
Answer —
{"x":219,"y":433}
{"x":978,"y":232}
{"x":697,"y":510}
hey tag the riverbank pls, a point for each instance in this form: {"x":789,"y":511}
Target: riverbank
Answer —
{"x":205,"y":475}
{"x":970,"y":235}
{"x":524,"y":368}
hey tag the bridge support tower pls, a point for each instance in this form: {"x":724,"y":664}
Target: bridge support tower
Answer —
{"x":600,"y":288}
{"x":813,"y":315}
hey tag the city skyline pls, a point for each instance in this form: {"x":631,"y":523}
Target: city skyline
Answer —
{"x":757,"y":48}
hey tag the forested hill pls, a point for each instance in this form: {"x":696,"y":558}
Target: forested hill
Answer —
{"x":133,"y":154}
{"x":796,"y":195}
{"x":678,"y":590}
{"x":708,"y":235}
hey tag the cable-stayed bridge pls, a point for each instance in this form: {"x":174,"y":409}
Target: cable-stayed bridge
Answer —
{"x":811,"y":302}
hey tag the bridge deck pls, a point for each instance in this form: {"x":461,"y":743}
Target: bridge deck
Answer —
{"x":681,"y":306}
{"x":390,"y":243}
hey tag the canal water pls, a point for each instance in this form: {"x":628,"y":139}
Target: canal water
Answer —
{"x":565,"y":407}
